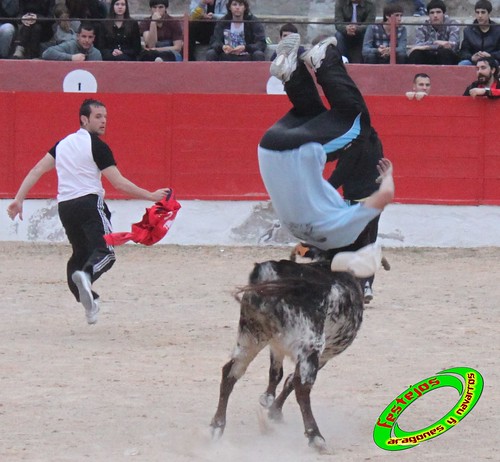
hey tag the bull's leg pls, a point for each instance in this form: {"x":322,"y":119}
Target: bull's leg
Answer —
{"x":275,"y":376}
{"x":303,"y":381}
{"x":248,"y":347}
{"x":276,"y":409}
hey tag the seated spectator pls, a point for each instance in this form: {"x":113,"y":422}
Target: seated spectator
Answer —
{"x":421,"y":87}
{"x":481,"y":40}
{"x":162,"y":35}
{"x":64,"y":28}
{"x":285,"y":30}
{"x":437,"y":39}
{"x":120,"y":39}
{"x":8,"y":9}
{"x":236,"y":40}
{"x":33,"y":32}
{"x":202,"y":15}
{"x":350,"y":36}
{"x":80,"y":49}
{"x":419,"y":7}
{"x":376,"y":44}
{"x":487,"y":79}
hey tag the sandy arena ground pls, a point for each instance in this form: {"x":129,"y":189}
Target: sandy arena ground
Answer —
{"x":142,"y":384}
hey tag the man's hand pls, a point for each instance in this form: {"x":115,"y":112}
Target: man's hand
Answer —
{"x":78,"y":57}
{"x":442,"y":43}
{"x":159,"y":194}
{"x":15,"y":208}
{"x":351,"y":29}
{"x":477,"y":92}
{"x":29,"y":19}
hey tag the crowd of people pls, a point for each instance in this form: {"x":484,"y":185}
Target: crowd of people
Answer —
{"x":229,"y":29}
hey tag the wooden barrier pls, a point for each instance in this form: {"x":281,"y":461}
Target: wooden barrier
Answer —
{"x":205,"y":146}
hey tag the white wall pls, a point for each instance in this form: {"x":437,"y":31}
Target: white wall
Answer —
{"x":253,"y":223}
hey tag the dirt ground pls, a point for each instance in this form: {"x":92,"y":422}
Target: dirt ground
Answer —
{"x":142,"y":384}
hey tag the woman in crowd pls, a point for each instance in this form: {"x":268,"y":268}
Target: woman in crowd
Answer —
{"x":120,"y":38}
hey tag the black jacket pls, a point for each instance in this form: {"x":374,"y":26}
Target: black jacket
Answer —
{"x":475,"y":40}
{"x":255,"y":37}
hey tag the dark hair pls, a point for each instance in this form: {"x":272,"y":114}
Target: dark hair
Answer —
{"x":421,"y":75}
{"x":288,"y":27}
{"x":483,"y":5}
{"x":433,"y":4}
{"x":244,"y":2}
{"x":157,"y":2}
{"x":86,"y":107}
{"x":390,"y":9}
{"x":87,"y":25}
{"x":492,"y":62}
{"x":127,"y":25}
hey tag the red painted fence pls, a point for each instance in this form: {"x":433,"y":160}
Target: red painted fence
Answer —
{"x":205,"y":146}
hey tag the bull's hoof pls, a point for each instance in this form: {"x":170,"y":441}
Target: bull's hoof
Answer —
{"x":217,"y":430}
{"x":275,"y":414}
{"x":319,"y":444}
{"x":266,"y":400}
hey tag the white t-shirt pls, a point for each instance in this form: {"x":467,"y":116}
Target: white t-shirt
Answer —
{"x":79,"y":158}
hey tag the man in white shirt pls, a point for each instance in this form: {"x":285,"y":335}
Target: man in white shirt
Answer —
{"x":79,"y":160}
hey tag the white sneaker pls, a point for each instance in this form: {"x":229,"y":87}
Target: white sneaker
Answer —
{"x":368,"y":293}
{"x":315,"y":56}
{"x":92,"y":315}
{"x":286,"y":57}
{"x":84,"y":285}
{"x":19,"y":52}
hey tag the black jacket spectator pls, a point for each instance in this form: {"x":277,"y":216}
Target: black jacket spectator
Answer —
{"x":476,"y":40}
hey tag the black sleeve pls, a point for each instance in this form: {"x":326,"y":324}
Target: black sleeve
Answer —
{"x":52,"y":150}
{"x":101,"y":153}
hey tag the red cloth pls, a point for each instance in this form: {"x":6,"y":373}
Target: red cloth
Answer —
{"x":154,"y":224}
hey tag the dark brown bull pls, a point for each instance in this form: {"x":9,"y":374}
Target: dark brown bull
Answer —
{"x":304,"y":311}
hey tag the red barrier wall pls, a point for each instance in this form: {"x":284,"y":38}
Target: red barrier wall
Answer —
{"x":204,"y":146}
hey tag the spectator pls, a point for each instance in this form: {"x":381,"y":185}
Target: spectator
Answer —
{"x":236,"y":40}
{"x":34,"y":29}
{"x":162,"y":35}
{"x":376,"y":44}
{"x":8,"y":9}
{"x":487,"y":79}
{"x":285,"y":30}
{"x":419,"y":7}
{"x":64,"y":28}
{"x":437,"y":39}
{"x":481,"y":40}
{"x":81,"y":49}
{"x":120,"y":39}
{"x":421,"y":86}
{"x":203,"y":14}
{"x":350,"y":36}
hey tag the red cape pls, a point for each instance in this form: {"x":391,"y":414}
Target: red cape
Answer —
{"x":154,"y":224}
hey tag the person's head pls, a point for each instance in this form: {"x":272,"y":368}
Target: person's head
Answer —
{"x":119,"y":8}
{"x":486,"y":70}
{"x":93,"y":116}
{"x":422,"y":83}
{"x":86,"y":35}
{"x":238,"y":8}
{"x":287,"y":29}
{"x":482,"y":10}
{"x":436,"y":10}
{"x":61,"y":11}
{"x":394,"y":10}
{"x":158,"y":6}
